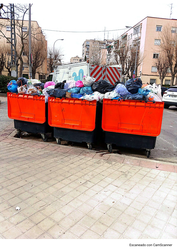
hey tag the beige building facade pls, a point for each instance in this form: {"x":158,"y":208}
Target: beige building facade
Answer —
{"x":41,"y":72}
{"x":146,"y":36}
{"x":76,"y":59}
{"x":95,"y":50}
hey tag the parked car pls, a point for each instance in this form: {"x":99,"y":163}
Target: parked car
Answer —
{"x":170,"y":97}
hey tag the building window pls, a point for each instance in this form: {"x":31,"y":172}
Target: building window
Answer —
{"x":24,"y":29}
{"x":152,"y":81}
{"x":8,"y":28}
{"x":155,"y":55}
{"x":154,"y":69}
{"x":167,"y":82}
{"x":174,"y":30}
{"x":159,"y":28}
{"x":157,"y":42}
{"x":136,"y":30}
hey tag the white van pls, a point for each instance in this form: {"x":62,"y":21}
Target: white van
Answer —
{"x":77,"y":71}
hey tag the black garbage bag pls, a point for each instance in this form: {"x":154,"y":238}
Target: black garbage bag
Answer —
{"x":102,"y":86}
{"x":139,"y":97}
{"x":60,"y":85}
{"x":116,"y":83}
{"x":22,"y":81}
{"x":40,"y":84}
{"x":133,"y":85}
{"x":57,"y":93}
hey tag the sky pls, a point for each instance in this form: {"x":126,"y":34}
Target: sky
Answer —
{"x":92,"y":15}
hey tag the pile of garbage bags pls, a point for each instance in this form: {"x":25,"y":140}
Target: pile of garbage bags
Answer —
{"x":88,"y":89}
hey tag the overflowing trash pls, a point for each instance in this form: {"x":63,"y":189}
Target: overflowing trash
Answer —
{"x":88,"y":89}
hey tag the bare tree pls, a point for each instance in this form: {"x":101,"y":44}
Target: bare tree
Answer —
{"x":21,"y":34}
{"x":54,"y":59}
{"x":169,"y":47}
{"x":2,"y":59}
{"x":121,"y":58}
{"x":162,"y":65}
{"x":39,"y":52}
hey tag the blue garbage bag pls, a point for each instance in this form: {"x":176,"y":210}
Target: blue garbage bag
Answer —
{"x":57,"y":93}
{"x":74,"y":90}
{"x":133,"y":85}
{"x":12,"y":86}
{"x":143,"y":91}
{"x":86,"y":90}
{"x":76,"y":95}
{"x":135,"y":97}
{"x":121,"y":89}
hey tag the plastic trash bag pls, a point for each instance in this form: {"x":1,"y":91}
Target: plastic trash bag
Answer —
{"x":22,"y":89}
{"x":154,"y":88}
{"x":76,"y":95}
{"x":22,"y":81}
{"x":133,"y":85}
{"x":136,"y":96}
{"x":117,"y":98}
{"x":152,"y":97}
{"x":95,"y":96}
{"x":31,"y":90}
{"x":60,"y":85}
{"x":102,"y":86}
{"x":69,"y":84}
{"x":57,"y":93}
{"x":143,"y":91}
{"x":86,"y":90}
{"x":110,"y":95}
{"x":74,"y":90}
{"x":39,"y":85}
{"x":88,"y":81}
{"x":44,"y":92}
{"x":33,"y":81}
{"x":47,"y":84}
{"x":12,"y":86}
{"x":79,"y":84}
{"x":121,"y":89}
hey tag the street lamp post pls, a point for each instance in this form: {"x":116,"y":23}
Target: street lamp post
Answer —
{"x":54,"y":44}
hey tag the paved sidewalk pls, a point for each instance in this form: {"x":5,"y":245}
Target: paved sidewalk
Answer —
{"x":66,"y":192}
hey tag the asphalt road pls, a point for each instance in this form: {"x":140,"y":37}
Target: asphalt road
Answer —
{"x":166,"y":143}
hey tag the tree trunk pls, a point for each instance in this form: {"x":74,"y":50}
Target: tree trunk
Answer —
{"x":172,"y":80}
{"x":21,"y":67}
{"x":33,"y":73}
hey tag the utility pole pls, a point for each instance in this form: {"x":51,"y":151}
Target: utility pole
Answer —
{"x":13,"y":42}
{"x":171,"y":9}
{"x":30,"y":55}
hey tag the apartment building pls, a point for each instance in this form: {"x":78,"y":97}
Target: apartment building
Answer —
{"x":146,"y":37}
{"x":4,"y":43}
{"x":92,"y":50}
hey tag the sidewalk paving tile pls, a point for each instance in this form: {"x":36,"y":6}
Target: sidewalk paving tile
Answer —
{"x":66,"y":192}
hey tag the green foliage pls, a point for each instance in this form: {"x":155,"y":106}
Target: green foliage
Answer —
{"x":4,"y":80}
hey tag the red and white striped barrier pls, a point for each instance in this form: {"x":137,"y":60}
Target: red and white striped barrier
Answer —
{"x":110,"y":74}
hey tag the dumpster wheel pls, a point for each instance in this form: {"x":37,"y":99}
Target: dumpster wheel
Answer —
{"x":44,"y":137}
{"x":148,"y":152}
{"x":58,"y":140}
{"x":18,"y":134}
{"x":89,"y":145}
{"x":109,"y":147}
